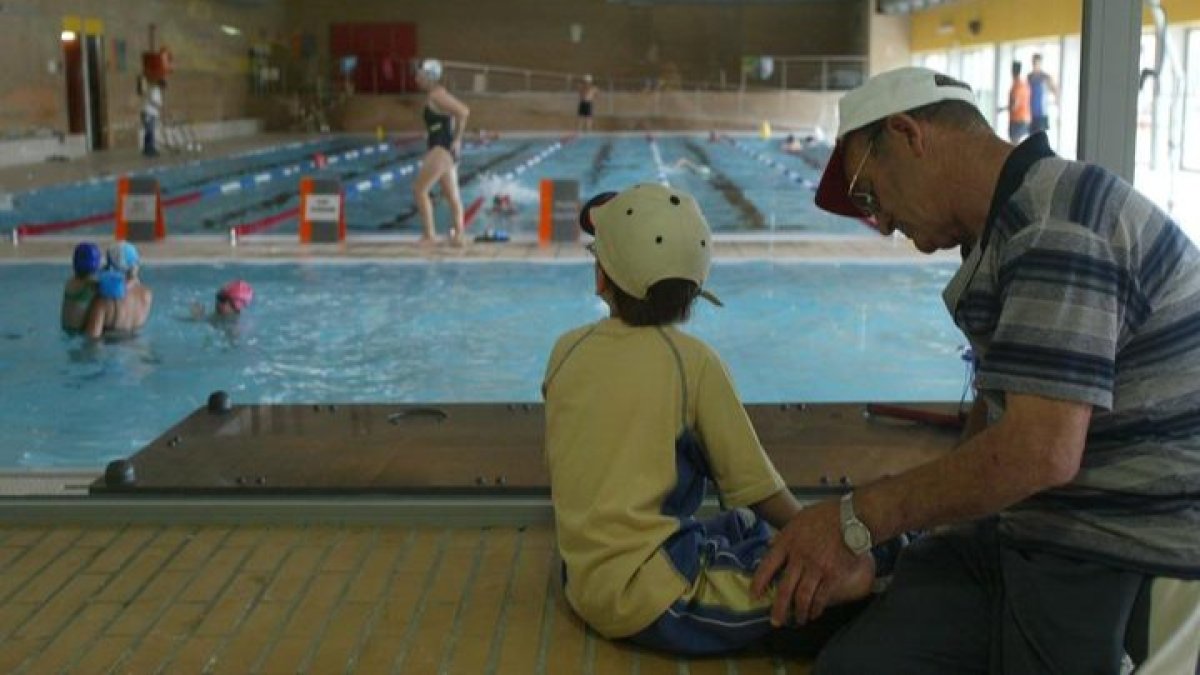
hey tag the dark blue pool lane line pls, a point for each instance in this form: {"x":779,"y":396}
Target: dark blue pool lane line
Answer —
{"x":340,"y":165}
{"x":171,"y":179}
{"x":220,"y":188}
{"x":385,"y":179}
{"x":469,"y":177}
{"x":284,"y":157}
{"x":787,"y":171}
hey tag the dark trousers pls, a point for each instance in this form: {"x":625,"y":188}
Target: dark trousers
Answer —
{"x":969,"y":602}
{"x":148,"y":124}
{"x":1017,"y":131}
{"x":1040,"y":123}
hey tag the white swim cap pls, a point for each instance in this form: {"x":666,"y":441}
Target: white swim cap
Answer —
{"x":430,"y":69}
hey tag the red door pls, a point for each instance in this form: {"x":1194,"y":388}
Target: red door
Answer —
{"x":380,"y":54}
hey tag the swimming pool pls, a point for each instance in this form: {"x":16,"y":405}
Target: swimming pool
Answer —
{"x":343,"y":332}
{"x":743,"y":183}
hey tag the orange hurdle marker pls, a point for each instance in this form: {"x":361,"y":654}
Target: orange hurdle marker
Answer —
{"x":322,"y":211}
{"x":139,"y":210}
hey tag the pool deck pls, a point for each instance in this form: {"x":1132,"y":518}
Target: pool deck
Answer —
{"x":436,"y":570}
{"x":201,"y":248}
{"x":306,"y":598}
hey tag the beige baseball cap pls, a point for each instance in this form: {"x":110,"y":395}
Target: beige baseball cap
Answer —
{"x":648,"y":233}
{"x":895,"y":91}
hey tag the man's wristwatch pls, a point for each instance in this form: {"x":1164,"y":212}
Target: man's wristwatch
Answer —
{"x":855,"y":534}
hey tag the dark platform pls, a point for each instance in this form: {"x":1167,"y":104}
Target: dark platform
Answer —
{"x":475,"y":449}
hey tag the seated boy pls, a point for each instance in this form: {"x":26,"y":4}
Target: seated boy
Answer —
{"x":639,"y":417}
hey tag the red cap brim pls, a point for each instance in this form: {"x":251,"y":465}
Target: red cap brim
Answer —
{"x":832,"y":192}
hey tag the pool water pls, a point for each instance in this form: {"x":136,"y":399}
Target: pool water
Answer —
{"x":744,"y":184}
{"x":342,"y":332}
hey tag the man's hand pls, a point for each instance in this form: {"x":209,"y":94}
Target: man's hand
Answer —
{"x":814,"y":561}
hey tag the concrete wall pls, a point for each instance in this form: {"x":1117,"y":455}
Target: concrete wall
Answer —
{"x":212,"y":80}
{"x":210,"y":83}
{"x":889,"y":39}
{"x":696,"y":42}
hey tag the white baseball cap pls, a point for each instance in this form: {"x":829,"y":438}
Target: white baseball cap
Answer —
{"x":889,"y":93}
{"x":649,"y":233}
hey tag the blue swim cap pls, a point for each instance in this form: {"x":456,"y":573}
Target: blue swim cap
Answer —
{"x":123,"y":256}
{"x":112,"y":285}
{"x":88,"y":258}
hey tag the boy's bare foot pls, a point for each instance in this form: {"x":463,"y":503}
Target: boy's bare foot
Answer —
{"x":456,"y":238}
{"x":426,"y":241}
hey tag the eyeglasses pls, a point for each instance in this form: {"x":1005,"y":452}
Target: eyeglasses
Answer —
{"x":863,"y":200}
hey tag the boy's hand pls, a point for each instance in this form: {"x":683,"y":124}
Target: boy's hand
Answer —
{"x":815,"y":564}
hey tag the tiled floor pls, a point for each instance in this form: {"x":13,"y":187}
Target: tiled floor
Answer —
{"x":304,"y":599}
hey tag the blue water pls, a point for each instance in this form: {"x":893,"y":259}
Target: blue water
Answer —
{"x":745,"y":184}
{"x":97,"y":195}
{"x":442,"y":332}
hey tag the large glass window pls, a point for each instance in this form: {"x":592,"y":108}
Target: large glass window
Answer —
{"x":1191,"y":114}
{"x":977,"y":68}
{"x":1145,"y":106}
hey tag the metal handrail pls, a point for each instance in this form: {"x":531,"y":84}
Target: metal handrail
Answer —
{"x":809,"y":73}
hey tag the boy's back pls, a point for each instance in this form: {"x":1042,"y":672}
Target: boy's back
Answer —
{"x":636,"y":418}
{"x":639,"y":418}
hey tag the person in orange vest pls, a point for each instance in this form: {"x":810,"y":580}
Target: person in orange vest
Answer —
{"x":1019,"y":115}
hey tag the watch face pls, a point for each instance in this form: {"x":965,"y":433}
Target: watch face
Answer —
{"x":858,"y":537}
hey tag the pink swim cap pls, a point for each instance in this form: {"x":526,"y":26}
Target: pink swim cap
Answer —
{"x":239,"y":293}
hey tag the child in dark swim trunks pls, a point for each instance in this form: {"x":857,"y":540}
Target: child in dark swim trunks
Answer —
{"x":81,"y":287}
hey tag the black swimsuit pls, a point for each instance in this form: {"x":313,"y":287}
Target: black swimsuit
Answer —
{"x":440,"y":129}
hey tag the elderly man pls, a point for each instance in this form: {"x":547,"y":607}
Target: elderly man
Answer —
{"x":1075,"y":491}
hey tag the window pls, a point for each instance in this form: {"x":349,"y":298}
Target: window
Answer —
{"x":1191,"y":102}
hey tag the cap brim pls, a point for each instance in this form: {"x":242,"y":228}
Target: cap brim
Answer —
{"x":711,"y":298}
{"x":833,"y":191}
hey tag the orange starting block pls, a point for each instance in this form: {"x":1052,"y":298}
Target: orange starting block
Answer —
{"x":560,"y":205}
{"x":139,"y":210}
{"x":322,"y":211}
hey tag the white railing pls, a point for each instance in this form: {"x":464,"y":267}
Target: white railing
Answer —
{"x":806,"y":73}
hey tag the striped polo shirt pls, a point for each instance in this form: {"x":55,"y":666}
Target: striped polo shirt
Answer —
{"x":1081,"y":289}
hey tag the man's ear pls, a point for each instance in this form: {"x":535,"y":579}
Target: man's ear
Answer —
{"x":910,"y":132}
